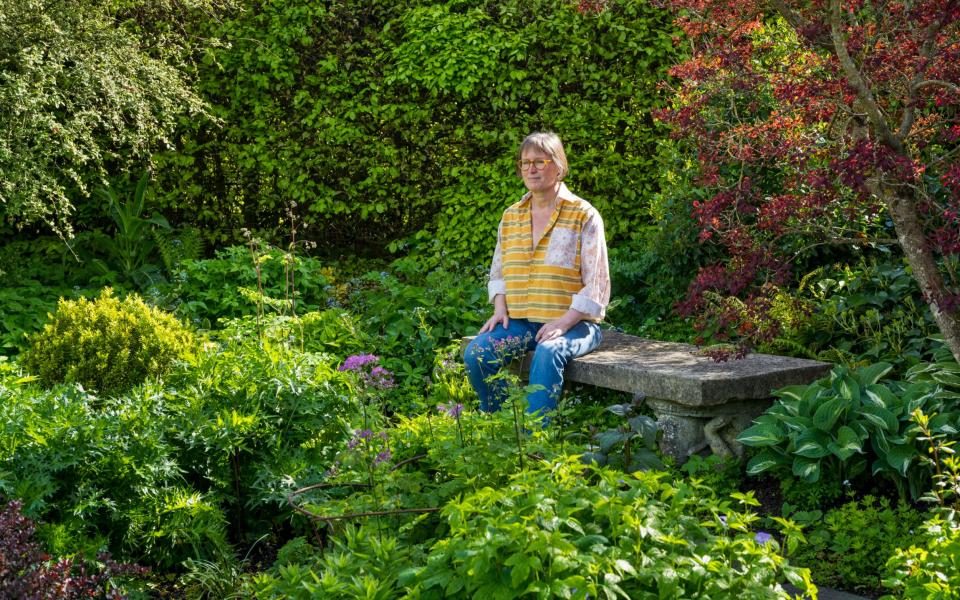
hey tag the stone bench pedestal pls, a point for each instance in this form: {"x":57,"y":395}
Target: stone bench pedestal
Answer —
{"x":699,"y":403}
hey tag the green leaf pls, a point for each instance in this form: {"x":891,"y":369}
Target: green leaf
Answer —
{"x":880,"y":418}
{"x":871,"y":374}
{"x":761,"y":434}
{"x":807,"y":469}
{"x":848,"y":443}
{"x":608,"y":439}
{"x":828,"y":413}
{"x":812,"y":444}
{"x":764,"y":461}
{"x":879,"y":395}
{"x":848,"y":388}
{"x":900,"y":457}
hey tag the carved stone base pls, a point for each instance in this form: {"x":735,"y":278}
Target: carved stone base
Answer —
{"x":687,"y":430}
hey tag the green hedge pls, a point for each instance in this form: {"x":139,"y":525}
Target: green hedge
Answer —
{"x":386,"y":120}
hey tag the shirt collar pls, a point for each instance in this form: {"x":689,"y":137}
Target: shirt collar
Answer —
{"x":563,"y":194}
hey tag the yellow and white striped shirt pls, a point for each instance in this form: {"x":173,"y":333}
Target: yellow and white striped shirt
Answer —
{"x":568,"y":268}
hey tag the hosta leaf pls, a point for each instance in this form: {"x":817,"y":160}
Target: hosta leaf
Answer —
{"x":848,"y":443}
{"x":761,"y":434}
{"x":900,"y":457}
{"x":828,"y":413}
{"x":791,"y":392}
{"x":879,"y":417}
{"x":848,"y":388}
{"x":871,"y":374}
{"x":764,"y":461}
{"x":951,"y":379}
{"x":812,"y":444}
{"x":806,"y":469}
{"x":879,"y":395}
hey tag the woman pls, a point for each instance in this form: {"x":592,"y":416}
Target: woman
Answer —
{"x":549,"y":280}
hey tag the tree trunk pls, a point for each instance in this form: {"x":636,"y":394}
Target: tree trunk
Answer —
{"x":903,"y":211}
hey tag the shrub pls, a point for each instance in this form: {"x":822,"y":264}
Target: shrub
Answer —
{"x":426,"y":151}
{"x":107,"y":344}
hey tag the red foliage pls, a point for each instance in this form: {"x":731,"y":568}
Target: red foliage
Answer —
{"x":796,"y":143}
{"x":28,"y":574}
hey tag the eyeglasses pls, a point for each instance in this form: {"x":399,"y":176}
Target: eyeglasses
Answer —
{"x":540,"y":163}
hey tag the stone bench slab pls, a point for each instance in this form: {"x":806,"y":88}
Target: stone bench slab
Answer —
{"x":675,"y":372}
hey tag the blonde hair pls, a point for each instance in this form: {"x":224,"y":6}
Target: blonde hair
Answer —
{"x":549,"y":143}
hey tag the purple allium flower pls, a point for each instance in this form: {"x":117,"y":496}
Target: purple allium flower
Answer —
{"x":451,"y":409}
{"x":762,"y":537}
{"x":382,"y":457}
{"x":355,"y":362}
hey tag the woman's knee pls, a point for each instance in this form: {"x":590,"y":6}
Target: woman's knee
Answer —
{"x":477,"y":352}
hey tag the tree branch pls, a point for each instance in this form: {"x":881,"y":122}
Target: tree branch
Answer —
{"x":938,"y":82}
{"x":926,"y":52}
{"x":857,"y":81}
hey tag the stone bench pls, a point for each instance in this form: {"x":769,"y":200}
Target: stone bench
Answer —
{"x":698,"y":402}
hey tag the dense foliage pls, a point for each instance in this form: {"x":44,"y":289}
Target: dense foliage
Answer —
{"x":821,"y":123}
{"x":86,"y":91}
{"x":402,"y":118}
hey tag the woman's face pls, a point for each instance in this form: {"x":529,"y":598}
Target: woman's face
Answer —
{"x":539,"y":179}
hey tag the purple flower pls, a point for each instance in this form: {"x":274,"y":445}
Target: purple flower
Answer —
{"x":762,"y":537}
{"x":382,"y":457}
{"x":723,"y":519}
{"x":380,"y":377}
{"x":451,"y":409}
{"x":355,"y":362}
{"x":365,"y":434}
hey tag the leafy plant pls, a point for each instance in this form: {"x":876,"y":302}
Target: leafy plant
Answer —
{"x":857,"y":314}
{"x":718,"y":473}
{"x":568,"y":530}
{"x":631,"y":446}
{"x":228,"y":285}
{"x":930,"y":569}
{"x":849,"y":546}
{"x":131,"y":250}
{"x":107,"y":344}
{"x":848,"y":424}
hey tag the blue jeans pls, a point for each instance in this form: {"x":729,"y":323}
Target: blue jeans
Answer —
{"x":486,"y":354}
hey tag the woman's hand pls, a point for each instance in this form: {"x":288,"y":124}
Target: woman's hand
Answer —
{"x":500,"y":314}
{"x":554,"y":329}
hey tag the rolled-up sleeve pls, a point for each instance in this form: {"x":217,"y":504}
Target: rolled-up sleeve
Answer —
{"x":496,"y":284}
{"x":593,"y":298}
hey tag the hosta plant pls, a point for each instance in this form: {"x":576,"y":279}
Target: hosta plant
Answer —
{"x":848,"y":424}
